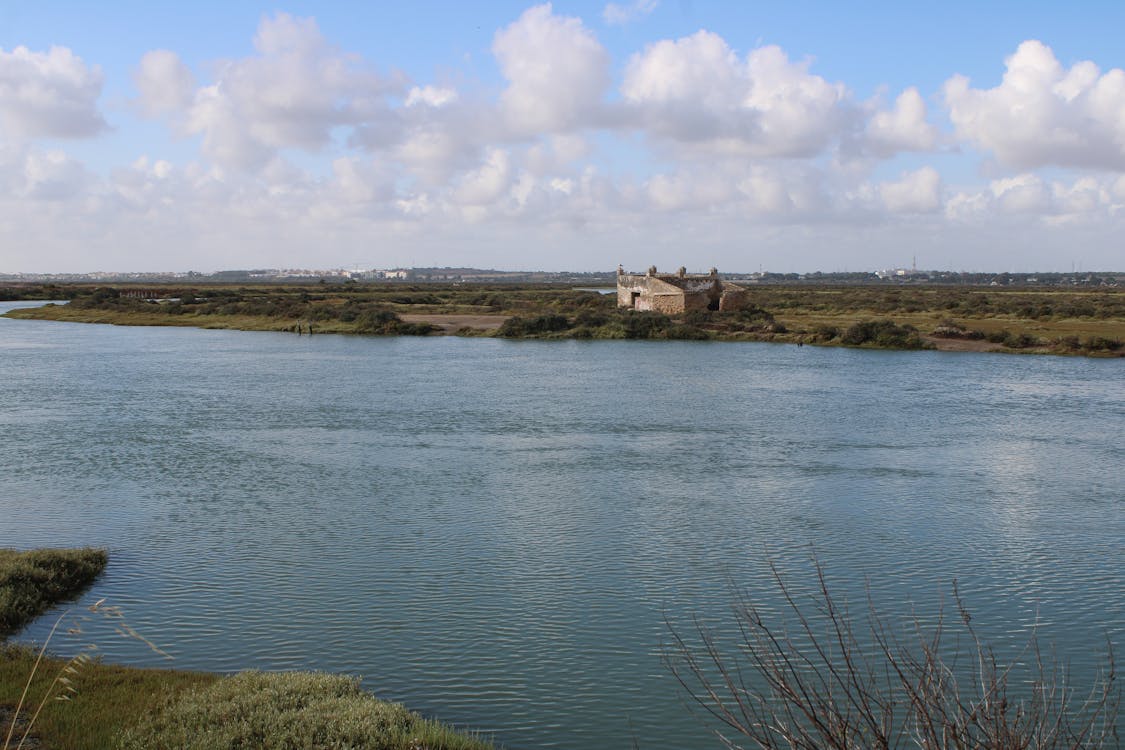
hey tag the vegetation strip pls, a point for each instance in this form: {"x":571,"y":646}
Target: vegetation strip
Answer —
{"x":83,"y":704}
{"x":963,"y":318}
{"x":32,"y":582}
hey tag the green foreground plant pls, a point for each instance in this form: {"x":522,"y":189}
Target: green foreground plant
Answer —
{"x":93,"y":706}
{"x":290,"y":710}
{"x":832,"y":683}
{"x":33,"y":581}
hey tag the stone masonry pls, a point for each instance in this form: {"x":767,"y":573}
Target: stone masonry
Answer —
{"x":679,"y":292}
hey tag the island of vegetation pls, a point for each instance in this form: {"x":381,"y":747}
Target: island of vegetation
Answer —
{"x":1053,"y":320}
{"x":80,"y":703}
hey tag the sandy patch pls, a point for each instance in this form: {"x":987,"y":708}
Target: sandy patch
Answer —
{"x":962,"y":345}
{"x":454,"y":323}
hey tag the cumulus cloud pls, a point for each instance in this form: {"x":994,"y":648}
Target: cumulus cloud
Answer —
{"x":430,"y":96}
{"x":41,"y":175}
{"x":917,"y":192}
{"x":292,"y":94}
{"x":49,"y":94}
{"x":619,"y":14}
{"x":487,"y":183}
{"x":1025,"y":193}
{"x":678,"y":192}
{"x":695,"y":90}
{"x":557,"y":73}
{"x":903,"y":128}
{"x":164,"y":82}
{"x":1043,"y":114}
{"x":1027,"y":197}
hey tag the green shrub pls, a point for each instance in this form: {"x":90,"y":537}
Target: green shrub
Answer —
{"x":289,"y":710}
{"x":516,"y":327}
{"x":686,"y":333}
{"x":883,"y":333}
{"x":1101,"y":343}
{"x":645,"y":325}
{"x":31,"y":582}
{"x":998,"y":337}
{"x":1021,"y":341}
{"x":826,"y":333}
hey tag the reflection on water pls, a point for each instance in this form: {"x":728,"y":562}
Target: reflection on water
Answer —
{"x":494,"y":532}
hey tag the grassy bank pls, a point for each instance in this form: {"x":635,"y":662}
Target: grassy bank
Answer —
{"x":32,"y":582}
{"x":96,"y":706}
{"x":1056,"y":321}
{"x":151,"y":709}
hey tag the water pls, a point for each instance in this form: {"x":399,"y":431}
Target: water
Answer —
{"x":495,"y":532}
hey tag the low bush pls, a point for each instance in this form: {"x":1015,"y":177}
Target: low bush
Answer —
{"x":32,"y":582}
{"x":1101,"y":343}
{"x":516,"y":327}
{"x":386,"y":323}
{"x":645,"y":325}
{"x":883,"y":333}
{"x":1021,"y":341}
{"x":289,"y":710}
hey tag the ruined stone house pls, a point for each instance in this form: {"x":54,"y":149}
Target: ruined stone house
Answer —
{"x":679,"y":292}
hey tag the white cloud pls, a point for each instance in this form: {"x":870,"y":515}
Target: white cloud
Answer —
{"x":695,"y":90}
{"x":1043,"y":114}
{"x":431,"y":96}
{"x":486,"y":184}
{"x":903,"y":128}
{"x":1035,"y":202}
{"x":678,"y":192}
{"x":292,"y":94}
{"x":1021,"y":194}
{"x":49,"y":94}
{"x":165,"y":83}
{"x":557,"y":73}
{"x":619,"y":14}
{"x":706,"y":147}
{"x":917,"y":192}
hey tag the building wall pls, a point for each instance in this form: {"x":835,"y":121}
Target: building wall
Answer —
{"x":733,"y":298}
{"x":674,"y":294}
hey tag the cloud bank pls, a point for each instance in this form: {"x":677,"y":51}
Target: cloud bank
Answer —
{"x":574,"y":159}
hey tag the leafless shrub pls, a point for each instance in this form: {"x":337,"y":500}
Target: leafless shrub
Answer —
{"x":830,"y":681}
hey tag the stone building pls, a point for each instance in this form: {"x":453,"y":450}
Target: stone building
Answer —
{"x":679,"y":292}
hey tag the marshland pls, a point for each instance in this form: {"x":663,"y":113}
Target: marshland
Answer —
{"x":1088,"y":321}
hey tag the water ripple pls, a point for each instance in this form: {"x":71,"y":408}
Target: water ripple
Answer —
{"x":496,"y":533}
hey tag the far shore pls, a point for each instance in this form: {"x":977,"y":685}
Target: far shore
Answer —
{"x":952,"y":319}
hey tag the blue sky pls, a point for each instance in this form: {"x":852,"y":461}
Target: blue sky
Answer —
{"x":576,"y":135}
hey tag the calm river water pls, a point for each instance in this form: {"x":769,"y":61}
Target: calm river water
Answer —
{"x":495,"y":532}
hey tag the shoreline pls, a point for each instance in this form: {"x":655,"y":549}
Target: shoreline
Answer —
{"x":492,"y":324}
{"x":1073,"y":322}
{"x":81,"y":703}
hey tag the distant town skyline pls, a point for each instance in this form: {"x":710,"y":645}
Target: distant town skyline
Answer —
{"x":567,"y":136}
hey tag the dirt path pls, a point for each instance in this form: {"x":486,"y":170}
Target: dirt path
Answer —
{"x":453,"y":323}
{"x":962,"y":345}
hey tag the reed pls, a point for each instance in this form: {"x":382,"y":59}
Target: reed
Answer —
{"x":823,"y":679}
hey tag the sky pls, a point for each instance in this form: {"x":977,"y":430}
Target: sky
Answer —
{"x":570,"y":136}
